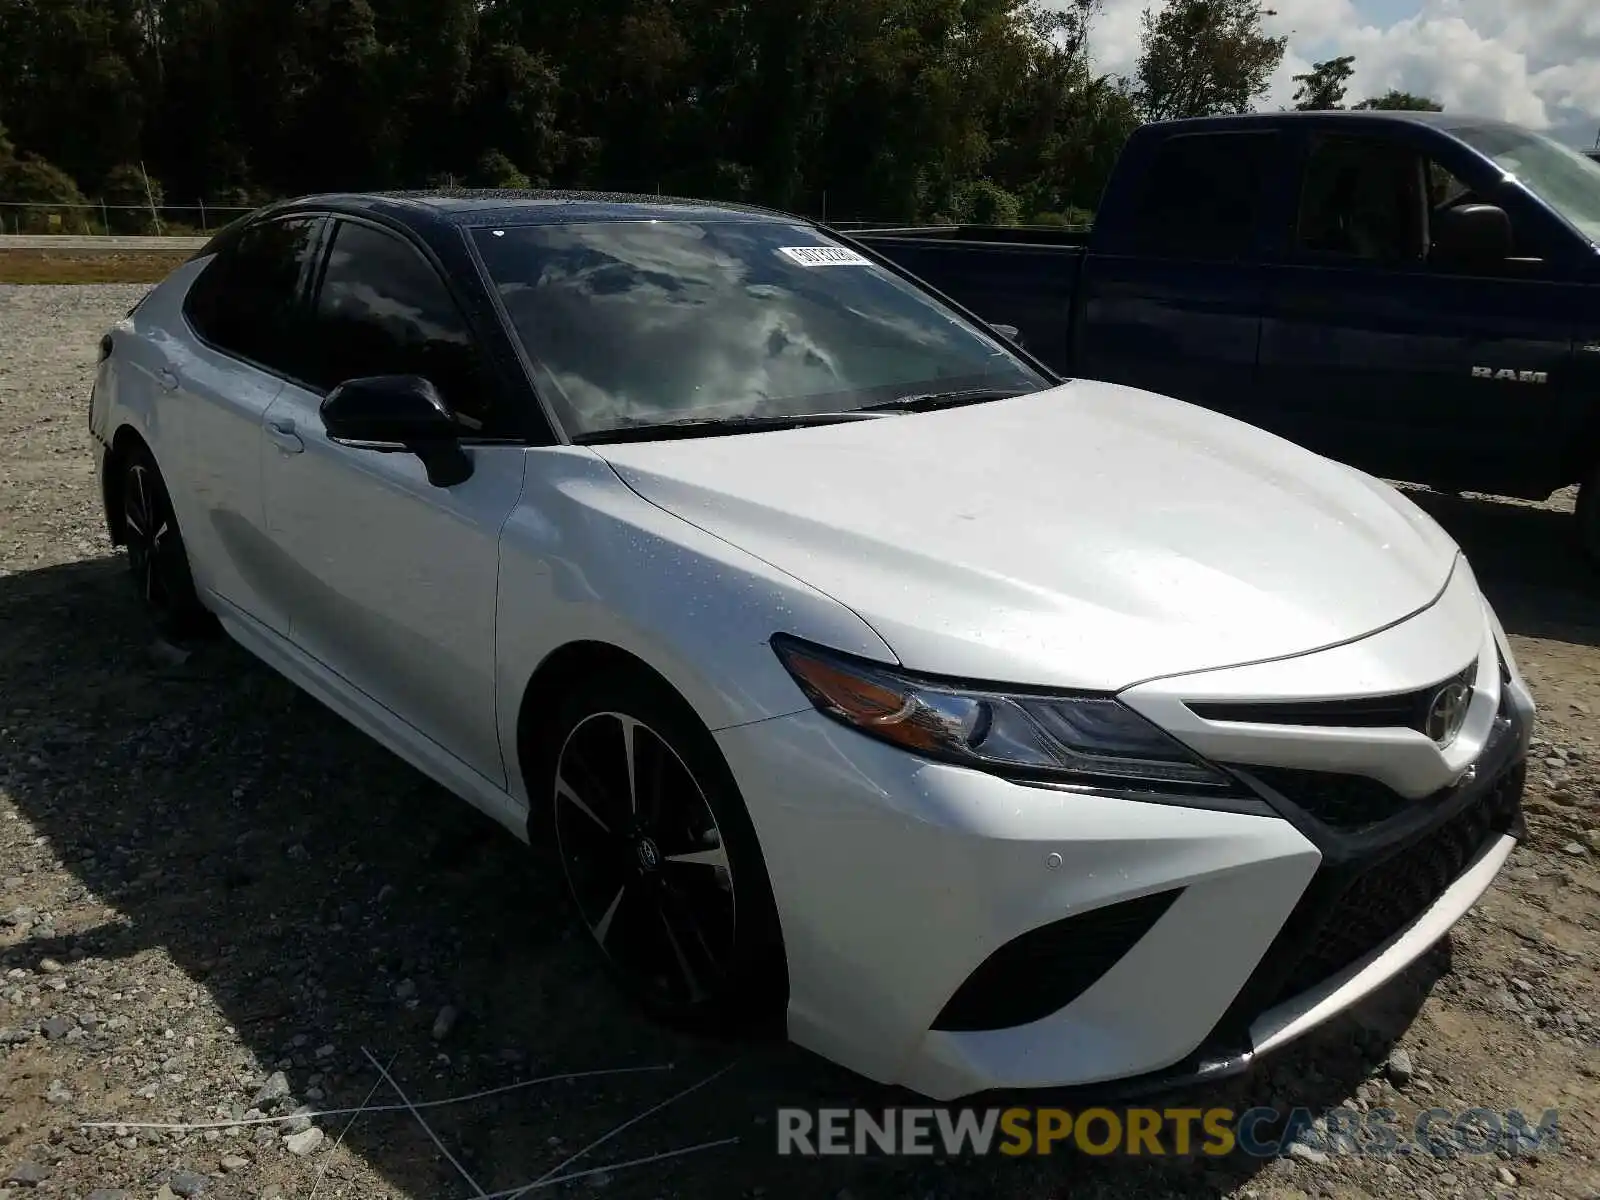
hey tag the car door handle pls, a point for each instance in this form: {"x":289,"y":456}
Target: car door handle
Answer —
{"x":167,"y":379}
{"x":284,"y":437}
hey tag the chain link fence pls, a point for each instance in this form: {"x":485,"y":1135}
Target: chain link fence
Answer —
{"x":171,"y":220}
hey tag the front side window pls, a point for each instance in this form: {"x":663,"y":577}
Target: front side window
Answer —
{"x":1363,"y":199}
{"x":639,"y":322}
{"x":382,"y":309}
{"x":1565,"y":179}
{"x":247,"y":302}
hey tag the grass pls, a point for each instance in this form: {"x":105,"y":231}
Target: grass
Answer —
{"x":58,"y":266}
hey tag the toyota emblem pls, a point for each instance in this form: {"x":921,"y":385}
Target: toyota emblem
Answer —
{"x":1446,"y":711}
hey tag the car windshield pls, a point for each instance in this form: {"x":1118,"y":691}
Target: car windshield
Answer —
{"x":1565,"y":179}
{"x":636,"y":323}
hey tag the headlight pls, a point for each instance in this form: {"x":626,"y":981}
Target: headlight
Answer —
{"x":1083,"y":738}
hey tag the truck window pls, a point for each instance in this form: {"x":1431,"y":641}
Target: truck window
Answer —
{"x":1202,"y":195}
{"x":1364,"y":199}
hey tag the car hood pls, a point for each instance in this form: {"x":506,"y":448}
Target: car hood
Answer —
{"x":1088,"y":536}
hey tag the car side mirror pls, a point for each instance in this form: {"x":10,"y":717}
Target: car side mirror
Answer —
{"x":1472,"y":235}
{"x":1010,"y":332}
{"x":394,"y":413}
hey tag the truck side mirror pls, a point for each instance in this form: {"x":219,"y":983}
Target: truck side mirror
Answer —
{"x":1471,"y":235}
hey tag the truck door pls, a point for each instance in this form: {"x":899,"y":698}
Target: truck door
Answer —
{"x":1374,"y":353}
{"x":1172,"y":295}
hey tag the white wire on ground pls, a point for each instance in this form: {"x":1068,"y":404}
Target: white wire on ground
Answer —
{"x":426,"y":1128}
{"x":632,"y":1162}
{"x":549,"y":1176}
{"x":191,"y":1126}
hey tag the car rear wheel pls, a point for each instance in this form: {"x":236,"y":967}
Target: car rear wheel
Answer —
{"x":659,"y":856}
{"x":157,"y":561}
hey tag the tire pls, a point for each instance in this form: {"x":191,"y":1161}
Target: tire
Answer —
{"x":1588,"y":516}
{"x":158,"y":563}
{"x":670,"y":885}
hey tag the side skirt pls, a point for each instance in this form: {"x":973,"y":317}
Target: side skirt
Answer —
{"x":366,"y":714}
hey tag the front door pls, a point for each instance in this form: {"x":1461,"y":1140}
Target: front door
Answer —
{"x":392,"y":581}
{"x":1374,"y":354}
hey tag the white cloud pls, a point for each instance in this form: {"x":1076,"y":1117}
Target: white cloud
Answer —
{"x":1536,"y":63}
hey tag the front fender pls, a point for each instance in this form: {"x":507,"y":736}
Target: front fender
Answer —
{"x":583,"y":558}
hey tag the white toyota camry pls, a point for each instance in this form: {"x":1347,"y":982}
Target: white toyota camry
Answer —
{"x":984,"y":729}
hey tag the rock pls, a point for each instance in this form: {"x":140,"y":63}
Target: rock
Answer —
{"x":405,"y":989}
{"x":299,"y":1120}
{"x":326,"y":1051}
{"x":187,"y":1183}
{"x":1574,"y":848}
{"x":109,"y":1194}
{"x":166,"y":1193}
{"x":1506,"y":1177}
{"x":275,"y":1088}
{"x":50,"y":966}
{"x":303,"y":1143}
{"x":271,"y":1192}
{"x":58,"y":1093}
{"x":232,"y":1164}
{"x":444,"y":1023}
{"x":1309,"y":1154}
{"x":1399,"y":1067}
{"x":57,"y":1027}
{"x":28,"y":1174}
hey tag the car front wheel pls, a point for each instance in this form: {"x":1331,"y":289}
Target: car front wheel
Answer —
{"x":659,"y":856}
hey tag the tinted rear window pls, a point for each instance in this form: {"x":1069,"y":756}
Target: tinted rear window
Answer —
{"x":631,"y":322}
{"x":247,"y":302}
{"x":1202,"y":194}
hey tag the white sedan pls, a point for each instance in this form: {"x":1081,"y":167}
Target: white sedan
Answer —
{"x":976,"y":728}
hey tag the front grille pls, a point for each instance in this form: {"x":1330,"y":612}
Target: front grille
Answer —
{"x":1379,"y":902}
{"x":1344,"y":802}
{"x":1047,"y":968}
{"x":1406,"y":710}
{"x":1364,"y":894}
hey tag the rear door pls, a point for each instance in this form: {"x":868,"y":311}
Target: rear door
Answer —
{"x":1172,"y":293}
{"x":390,"y":581}
{"x":1374,"y":354}
{"x":245,"y":311}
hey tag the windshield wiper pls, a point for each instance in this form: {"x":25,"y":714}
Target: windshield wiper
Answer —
{"x":928,"y":401}
{"x":689,"y":427}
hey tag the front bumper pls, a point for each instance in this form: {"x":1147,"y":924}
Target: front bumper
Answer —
{"x":1213,"y":936}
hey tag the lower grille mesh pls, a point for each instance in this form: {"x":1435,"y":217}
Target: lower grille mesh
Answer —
{"x":1379,"y":903}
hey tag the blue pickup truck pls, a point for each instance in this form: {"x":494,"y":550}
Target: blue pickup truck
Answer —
{"x":1416,"y":294}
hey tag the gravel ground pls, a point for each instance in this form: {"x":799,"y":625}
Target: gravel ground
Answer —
{"x":216,"y":900}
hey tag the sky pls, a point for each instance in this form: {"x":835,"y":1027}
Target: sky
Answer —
{"x":1535,"y":62}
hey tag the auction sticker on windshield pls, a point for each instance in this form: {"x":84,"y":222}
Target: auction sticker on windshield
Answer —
{"x":824,"y":256}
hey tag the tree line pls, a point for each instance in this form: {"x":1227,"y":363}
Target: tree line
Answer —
{"x":985,"y":110}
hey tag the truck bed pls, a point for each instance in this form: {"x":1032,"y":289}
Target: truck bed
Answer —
{"x":1012,"y":275}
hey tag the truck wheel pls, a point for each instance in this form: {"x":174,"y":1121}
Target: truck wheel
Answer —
{"x":1588,"y":515}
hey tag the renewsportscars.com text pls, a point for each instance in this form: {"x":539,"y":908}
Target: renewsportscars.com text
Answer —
{"x":1258,"y":1132}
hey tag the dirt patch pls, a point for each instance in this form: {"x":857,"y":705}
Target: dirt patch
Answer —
{"x":206,"y":880}
{"x":58,"y":266}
